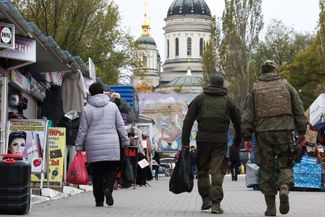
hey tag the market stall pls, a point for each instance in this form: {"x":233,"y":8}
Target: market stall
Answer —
{"x":310,"y":172}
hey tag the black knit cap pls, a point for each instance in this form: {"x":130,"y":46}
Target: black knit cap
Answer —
{"x":216,"y":80}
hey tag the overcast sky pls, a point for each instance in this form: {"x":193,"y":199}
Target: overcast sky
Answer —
{"x":301,"y":14}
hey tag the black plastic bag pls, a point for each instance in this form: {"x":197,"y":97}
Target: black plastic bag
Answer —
{"x":182,"y":177}
{"x":128,"y":175}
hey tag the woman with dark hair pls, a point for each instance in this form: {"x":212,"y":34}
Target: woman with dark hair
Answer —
{"x":100,"y":133}
{"x":17,"y":142}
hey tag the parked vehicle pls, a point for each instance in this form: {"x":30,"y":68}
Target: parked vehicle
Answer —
{"x":167,"y":166}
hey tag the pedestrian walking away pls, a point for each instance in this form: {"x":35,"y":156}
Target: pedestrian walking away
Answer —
{"x":272,"y":111}
{"x":213,"y":109}
{"x":101,"y":133}
{"x":155,"y":167}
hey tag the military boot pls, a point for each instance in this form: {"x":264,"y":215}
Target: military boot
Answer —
{"x":216,"y":209}
{"x":270,"y":206}
{"x":206,"y":203}
{"x":284,"y":199}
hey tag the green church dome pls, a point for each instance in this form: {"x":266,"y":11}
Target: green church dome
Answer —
{"x":189,"y":7}
{"x":145,"y":39}
{"x":186,"y":80}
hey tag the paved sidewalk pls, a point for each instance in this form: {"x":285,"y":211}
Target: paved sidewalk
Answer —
{"x":157,"y":201}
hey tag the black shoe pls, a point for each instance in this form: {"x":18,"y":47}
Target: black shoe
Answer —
{"x":99,"y":204}
{"x":216,"y":209}
{"x":109,"y":197}
{"x":206,"y":204}
{"x":284,"y":199}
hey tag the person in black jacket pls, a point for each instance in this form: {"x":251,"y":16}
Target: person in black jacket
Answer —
{"x":234,"y":164}
{"x":213,"y":109}
{"x":156,"y":157}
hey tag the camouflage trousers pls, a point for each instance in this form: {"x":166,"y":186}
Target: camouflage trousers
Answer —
{"x":272,"y":156}
{"x":211,"y":160}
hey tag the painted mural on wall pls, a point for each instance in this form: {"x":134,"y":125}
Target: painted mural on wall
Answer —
{"x":168,"y":111}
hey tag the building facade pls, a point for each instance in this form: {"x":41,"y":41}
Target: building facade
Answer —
{"x":188,"y":28}
{"x":148,"y":53}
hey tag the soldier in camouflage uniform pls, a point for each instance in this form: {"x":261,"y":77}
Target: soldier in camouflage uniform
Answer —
{"x":213,"y":110}
{"x":272,"y":111}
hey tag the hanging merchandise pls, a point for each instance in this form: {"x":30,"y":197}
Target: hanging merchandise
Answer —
{"x":71,"y":122}
{"x":311,"y":135}
{"x":18,"y":101}
{"x":73,"y":91}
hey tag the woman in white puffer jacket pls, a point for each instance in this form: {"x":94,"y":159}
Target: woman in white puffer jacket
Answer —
{"x":100,"y":134}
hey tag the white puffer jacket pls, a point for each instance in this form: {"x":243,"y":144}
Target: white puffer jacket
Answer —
{"x":101,"y":130}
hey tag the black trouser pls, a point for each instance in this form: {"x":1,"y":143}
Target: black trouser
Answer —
{"x":156,"y":168}
{"x":211,"y":160}
{"x":103,"y":173}
{"x":234,"y":168}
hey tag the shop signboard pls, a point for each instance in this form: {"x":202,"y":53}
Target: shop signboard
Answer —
{"x":20,"y":80}
{"x":56,"y":144}
{"x":28,"y":137}
{"x":7,"y":36}
{"x":24,"y":50}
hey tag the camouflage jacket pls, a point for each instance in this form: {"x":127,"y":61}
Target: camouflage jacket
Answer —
{"x":251,"y":124}
{"x":213,"y":110}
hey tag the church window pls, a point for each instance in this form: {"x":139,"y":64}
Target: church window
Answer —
{"x":176,"y":47}
{"x":189,"y":46}
{"x":145,"y":61}
{"x":201,"y":46}
{"x":167,"y":48}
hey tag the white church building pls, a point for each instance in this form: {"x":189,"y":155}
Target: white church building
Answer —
{"x":187,"y":29}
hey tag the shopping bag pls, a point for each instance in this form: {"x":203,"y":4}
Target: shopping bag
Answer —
{"x":128,"y":175}
{"x":77,"y":172}
{"x":251,"y":178}
{"x":182,"y":177}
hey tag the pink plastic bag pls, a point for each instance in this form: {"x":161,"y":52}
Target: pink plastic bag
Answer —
{"x":77,"y":172}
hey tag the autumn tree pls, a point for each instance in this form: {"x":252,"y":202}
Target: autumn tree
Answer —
{"x":281,"y":43}
{"x":87,"y":28}
{"x":209,"y":56}
{"x":242,"y":21}
{"x":307,"y":71}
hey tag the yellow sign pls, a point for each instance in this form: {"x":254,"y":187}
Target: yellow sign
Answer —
{"x":56,"y":144}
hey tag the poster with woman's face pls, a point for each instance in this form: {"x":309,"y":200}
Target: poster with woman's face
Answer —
{"x":28,"y":137}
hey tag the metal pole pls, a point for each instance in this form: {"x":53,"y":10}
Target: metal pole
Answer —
{"x":4,"y":114}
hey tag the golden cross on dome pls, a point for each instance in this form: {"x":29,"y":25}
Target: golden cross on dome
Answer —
{"x":146,"y":24}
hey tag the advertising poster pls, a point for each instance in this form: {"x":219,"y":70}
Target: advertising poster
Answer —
{"x":28,"y":137}
{"x":56,"y":144}
{"x":168,"y":111}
